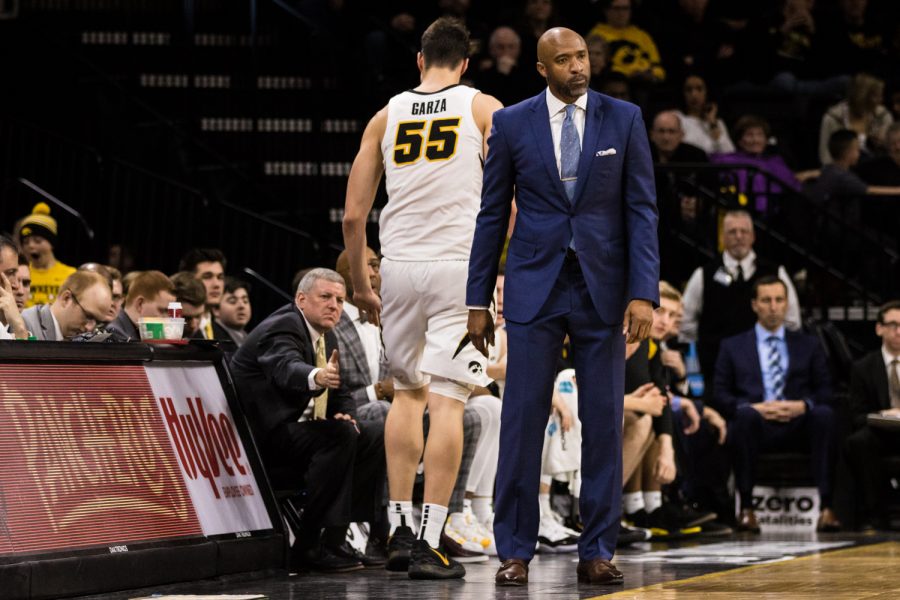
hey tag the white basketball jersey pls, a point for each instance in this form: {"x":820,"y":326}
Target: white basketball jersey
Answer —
{"x":433,"y":164}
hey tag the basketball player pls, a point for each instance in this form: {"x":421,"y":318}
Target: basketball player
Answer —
{"x":430,"y":144}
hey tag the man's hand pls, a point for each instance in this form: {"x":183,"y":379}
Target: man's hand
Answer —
{"x":330,"y":376}
{"x":481,"y":329}
{"x":368,"y":304}
{"x":646,"y":399}
{"x":664,"y":471}
{"x":346,"y":417}
{"x":387,"y":388}
{"x":10,"y":310}
{"x":890,"y":412}
{"x":713,"y":417}
{"x":781,"y":411}
{"x":638,"y":319}
{"x":674,"y":360}
{"x":690,"y":415}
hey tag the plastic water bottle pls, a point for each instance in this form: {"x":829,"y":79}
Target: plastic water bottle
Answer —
{"x":694,"y":376}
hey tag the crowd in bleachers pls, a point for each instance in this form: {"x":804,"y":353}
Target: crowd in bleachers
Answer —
{"x":727,"y":373}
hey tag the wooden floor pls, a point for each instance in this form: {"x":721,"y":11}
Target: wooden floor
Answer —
{"x":768,"y":567}
{"x":866,"y":572}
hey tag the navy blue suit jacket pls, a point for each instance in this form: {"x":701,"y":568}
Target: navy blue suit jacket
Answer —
{"x":613,"y":216}
{"x":739,"y":378}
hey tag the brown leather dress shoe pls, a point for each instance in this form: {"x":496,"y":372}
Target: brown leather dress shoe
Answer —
{"x":747,"y":521}
{"x":513,"y":571}
{"x":598,"y":571}
{"x":828,"y":521}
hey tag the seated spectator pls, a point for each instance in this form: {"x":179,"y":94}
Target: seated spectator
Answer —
{"x":787,"y":54}
{"x":863,"y":112}
{"x":303,"y":418}
{"x":875,"y":389}
{"x":699,"y":430}
{"x":668,"y":145}
{"x":717,"y":299}
{"x":234,"y":312}
{"x":700,"y":119}
{"x":24,"y":275}
{"x":884,"y":170}
{"x":148,"y":296}
{"x":598,"y":55}
{"x":853,"y":40}
{"x":505,"y":76}
{"x":632,"y":51}
{"x":207,"y":265}
{"x":106,"y":273}
{"x":12,"y":326}
{"x":37,"y":235}
{"x":772,"y":407}
{"x":836,"y":181}
{"x":82,"y":303}
{"x":752,"y":135}
{"x":615,"y":85}
{"x":192,"y":295}
{"x":537,"y":17}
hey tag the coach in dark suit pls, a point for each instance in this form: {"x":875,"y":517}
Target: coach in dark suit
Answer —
{"x":773,"y":387}
{"x":583,"y":248}
{"x":302,"y":418}
{"x":875,"y":389}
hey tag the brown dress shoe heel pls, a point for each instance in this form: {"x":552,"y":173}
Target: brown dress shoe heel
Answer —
{"x":747,"y":521}
{"x":513,"y":571}
{"x":828,"y":521}
{"x":599,"y":571}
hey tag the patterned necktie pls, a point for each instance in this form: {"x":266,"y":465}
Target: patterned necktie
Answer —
{"x":569,"y":152}
{"x":894,"y":381}
{"x":776,"y":373}
{"x":320,"y":406}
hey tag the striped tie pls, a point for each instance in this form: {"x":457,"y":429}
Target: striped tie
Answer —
{"x":776,"y":372}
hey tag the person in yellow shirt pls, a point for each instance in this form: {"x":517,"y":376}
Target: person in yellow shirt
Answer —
{"x":632,"y":51}
{"x":37,"y":234}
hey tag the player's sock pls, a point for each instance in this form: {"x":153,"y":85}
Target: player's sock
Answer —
{"x":400,"y":514}
{"x":652,"y":501}
{"x":481,"y":506}
{"x":633,"y":502}
{"x":433,"y":518}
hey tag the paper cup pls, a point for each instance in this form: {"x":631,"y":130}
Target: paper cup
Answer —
{"x":173,"y":328}
{"x":151,"y":329}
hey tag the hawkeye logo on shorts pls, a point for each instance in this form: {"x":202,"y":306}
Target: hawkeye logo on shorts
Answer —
{"x":475,"y":368}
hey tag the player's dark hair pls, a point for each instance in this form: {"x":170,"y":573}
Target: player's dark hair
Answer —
{"x":445,"y":43}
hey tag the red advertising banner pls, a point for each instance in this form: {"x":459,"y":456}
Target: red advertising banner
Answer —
{"x":85,"y":460}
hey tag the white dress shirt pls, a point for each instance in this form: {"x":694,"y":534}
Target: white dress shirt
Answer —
{"x":371,"y":343}
{"x":557,"y":111}
{"x":59,"y":335}
{"x":693,"y":295}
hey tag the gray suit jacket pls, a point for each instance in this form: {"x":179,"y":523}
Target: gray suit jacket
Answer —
{"x":355,"y":372}
{"x":39,"y":322}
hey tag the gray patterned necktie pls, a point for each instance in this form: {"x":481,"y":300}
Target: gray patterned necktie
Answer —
{"x":569,"y":152}
{"x":775,"y":371}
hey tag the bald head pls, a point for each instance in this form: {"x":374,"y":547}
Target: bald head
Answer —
{"x":563,"y":62}
{"x":373,"y":267}
{"x":666,"y":133}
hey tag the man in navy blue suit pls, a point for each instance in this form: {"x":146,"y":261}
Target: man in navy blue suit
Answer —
{"x":583,"y":260}
{"x":773,"y":387}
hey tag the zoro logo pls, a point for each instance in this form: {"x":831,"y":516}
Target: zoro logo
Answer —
{"x":475,"y":368}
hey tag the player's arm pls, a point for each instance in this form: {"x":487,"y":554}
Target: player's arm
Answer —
{"x":362,"y":185}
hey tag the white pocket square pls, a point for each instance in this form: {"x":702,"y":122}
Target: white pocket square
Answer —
{"x":608,"y":152}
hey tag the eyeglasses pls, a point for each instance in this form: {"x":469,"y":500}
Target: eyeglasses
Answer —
{"x":87,"y":316}
{"x":891,"y":325}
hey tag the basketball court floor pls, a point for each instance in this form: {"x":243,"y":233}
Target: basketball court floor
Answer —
{"x":770,"y":567}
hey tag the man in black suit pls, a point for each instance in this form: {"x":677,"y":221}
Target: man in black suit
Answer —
{"x":303,"y":419}
{"x":875,"y":388}
{"x":774,"y":389}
